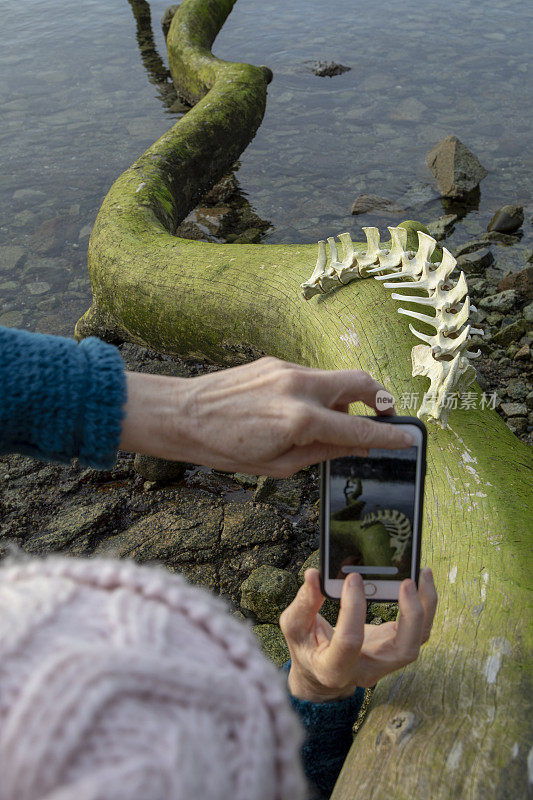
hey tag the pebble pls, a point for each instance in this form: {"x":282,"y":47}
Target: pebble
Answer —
{"x":440,"y":227}
{"x":501,"y":301}
{"x":10,"y":257}
{"x":528,"y":313}
{"x":476,"y":261}
{"x":366,"y":203}
{"x":38,"y":287}
{"x":514,"y":409}
{"x":523,"y":354}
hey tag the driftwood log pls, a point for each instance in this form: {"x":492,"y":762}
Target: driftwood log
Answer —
{"x":457,"y":723}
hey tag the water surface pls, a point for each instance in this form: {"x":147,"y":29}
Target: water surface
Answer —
{"x":78,"y":109}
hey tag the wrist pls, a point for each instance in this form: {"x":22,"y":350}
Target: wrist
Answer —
{"x":305,"y":687}
{"x":150,"y":415}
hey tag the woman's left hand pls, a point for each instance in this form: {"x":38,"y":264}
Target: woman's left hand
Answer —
{"x":329,"y":663}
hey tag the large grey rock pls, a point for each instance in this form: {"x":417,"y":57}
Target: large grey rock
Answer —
{"x":514,"y":409}
{"x":470,"y":247}
{"x":69,"y":530}
{"x":455,"y":168}
{"x":247,"y":526}
{"x":267,"y":592}
{"x":507,"y":219}
{"x":502,"y":301}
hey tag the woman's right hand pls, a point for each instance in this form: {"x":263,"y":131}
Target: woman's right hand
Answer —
{"x":268,"y":417}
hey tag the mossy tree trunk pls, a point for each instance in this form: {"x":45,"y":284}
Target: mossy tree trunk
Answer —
{"x":457,"y":724}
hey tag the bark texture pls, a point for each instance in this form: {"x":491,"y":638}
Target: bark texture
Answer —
{"x":457,"y":723}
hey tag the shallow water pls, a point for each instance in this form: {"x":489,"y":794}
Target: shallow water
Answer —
{"x":78,"y":108}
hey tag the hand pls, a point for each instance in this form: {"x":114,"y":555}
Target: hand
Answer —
{"x":268,"y":417}
{"x":329,"y":663}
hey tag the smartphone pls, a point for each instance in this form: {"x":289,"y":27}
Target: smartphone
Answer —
{"x":371,"y":515}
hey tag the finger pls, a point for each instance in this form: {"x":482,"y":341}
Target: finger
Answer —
{"x":299,"y":618}
{"x":429,"y":599}
{"x":347,"y":430}
{"x":303,"y":456}
{"x":410,"y":621}
{"x":348,"y":635}
{"x":345,"y":386}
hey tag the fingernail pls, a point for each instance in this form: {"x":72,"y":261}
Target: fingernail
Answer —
{"x":411,"y":587}
{"x":427,"y":573}
{"x":354,"y":580}
{"x":408,"y":438}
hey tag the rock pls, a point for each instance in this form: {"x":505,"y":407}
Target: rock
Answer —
{"x":409,"y":110}
{"x":325,"y":69}
{"x":382,"y":612}
{"x":272,"y":643}
{"x":476,"y":261}
{"x":494,"y":317}
{"x":212,"y":217}
{"x":183,"y":532}
{"x":70,"y":529}
{"x":28,"y":194}
{"x":528,"y":313}
{"x":517,"y":424}
{"x":286,"y":494}
{"x":521,"y":282}
{"x":52,"y":234}
{"x":265,"y":485}
{"x":470,"y":247}
{"x":330,"y":607}
{"x":245,"y":480}
{"x":267,"y":592}
{"x":529,"y":400}
{"x":222,"y":192}
{"x":523,"y":353}
{"x":440,"y":227}
{"x":11,"y":257}
{"x":502,"y":301}
{"x":507,"y":239}
{"x":366,"y":203}
{"x":514,"y":409}
{"x":517,"y":389}
{"x":507,"y":219}
{"x":168,"y":16}
{"x":38,"y":287}
{"x":455,"y":168}
{"x":245,"y":525}
{"x":190,"y":230}
{"x":158,"y":470}
{"x":509,"y":333}
{"x":249,"y":236}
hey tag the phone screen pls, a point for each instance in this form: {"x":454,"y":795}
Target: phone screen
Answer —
{"x":372,"y":514}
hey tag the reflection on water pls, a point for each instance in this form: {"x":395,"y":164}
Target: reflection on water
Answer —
{"x":78,"y":108}
{"x":376,"y":495}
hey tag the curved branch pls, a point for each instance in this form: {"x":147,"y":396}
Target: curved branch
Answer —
{"x":455,"y":724}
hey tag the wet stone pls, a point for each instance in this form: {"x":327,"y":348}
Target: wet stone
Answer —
{"x":158,"y":469}
{"x":507,"y":219}
{"x":475,"y":262}
{"x":455,"y":167}
{"x":11,"y":257}
{"x":244,"y":525}
{"x":38,"y":287}
{"x":510,"y":333}
{"x":69,"y":529}
{"x":514,"y":409}
{"x":373,"y":203}
{"x":328,"y":69}
{"x":440,"y":227}
{"x":501,"y":301}
{"x":521,"y":282}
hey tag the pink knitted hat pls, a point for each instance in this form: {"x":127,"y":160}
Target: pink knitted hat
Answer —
{"x":120,"y":682}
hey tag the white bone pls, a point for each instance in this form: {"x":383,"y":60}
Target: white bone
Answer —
{"x":312,"y":285}
{"x":368,"y":257}
{"x":444,"y":357}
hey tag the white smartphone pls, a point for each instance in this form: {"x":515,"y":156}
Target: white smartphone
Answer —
{"x":371,"y":516}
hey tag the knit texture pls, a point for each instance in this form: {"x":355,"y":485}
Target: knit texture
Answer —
{"x":120,"y":682}
{"x":329,"y":737}
{"x":60,"y":400}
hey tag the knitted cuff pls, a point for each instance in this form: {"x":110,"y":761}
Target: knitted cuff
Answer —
{"x":329,"y":737}
{"x":60,"y":400}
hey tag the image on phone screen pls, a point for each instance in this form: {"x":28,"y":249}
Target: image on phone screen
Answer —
{"x":372,"y":514}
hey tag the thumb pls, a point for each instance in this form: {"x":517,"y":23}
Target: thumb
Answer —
{"x":298,"y":618}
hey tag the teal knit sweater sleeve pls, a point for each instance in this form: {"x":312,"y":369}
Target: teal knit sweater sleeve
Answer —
{"x":329,"y":736}
{"x":60,"y":400}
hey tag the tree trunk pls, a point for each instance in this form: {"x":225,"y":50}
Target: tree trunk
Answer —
{"x":457,"y":724}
